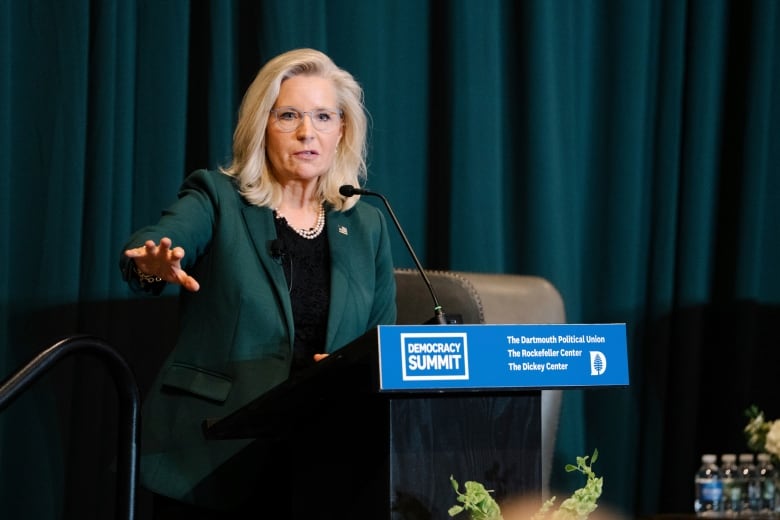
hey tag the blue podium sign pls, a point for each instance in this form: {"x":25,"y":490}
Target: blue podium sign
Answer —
{"x":471,"y":357}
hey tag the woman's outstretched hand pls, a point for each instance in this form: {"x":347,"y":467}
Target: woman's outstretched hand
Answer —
{"x":163,"y":261}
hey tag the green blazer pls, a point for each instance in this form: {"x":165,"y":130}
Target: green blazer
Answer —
{"x":235,"y":337}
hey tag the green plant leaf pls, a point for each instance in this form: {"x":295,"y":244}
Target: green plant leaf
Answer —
{"x":480,"y":505}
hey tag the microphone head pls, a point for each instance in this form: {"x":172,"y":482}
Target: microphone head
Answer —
{"x":276,"y":249}
{"x":347,"y":190}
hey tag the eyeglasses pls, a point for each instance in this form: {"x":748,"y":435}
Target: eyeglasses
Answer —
{"x":289,"y":119}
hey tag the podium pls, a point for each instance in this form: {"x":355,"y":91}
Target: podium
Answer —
{"x":385,"y":442}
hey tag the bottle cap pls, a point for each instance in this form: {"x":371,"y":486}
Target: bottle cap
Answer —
{"x":728,"y":457}
{"x":709,"y":458}
{"x":746,"y":457}
{"x":764,"y":457}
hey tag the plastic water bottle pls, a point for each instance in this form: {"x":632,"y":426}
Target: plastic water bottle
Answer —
{"x":708,"y":487}
{"x":732,"y":492}
{"x":766,"y":474}
{"x":749,"y":484}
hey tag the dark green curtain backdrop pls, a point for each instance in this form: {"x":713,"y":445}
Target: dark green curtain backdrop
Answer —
{"x":628,"y":151}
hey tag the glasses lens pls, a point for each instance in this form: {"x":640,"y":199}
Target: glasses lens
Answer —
{"x":324,"y":120}
{"x":287,"y":119}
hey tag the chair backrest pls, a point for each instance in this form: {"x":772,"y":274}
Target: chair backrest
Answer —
{"x":478,"y":297}
{"x":454,"y":292}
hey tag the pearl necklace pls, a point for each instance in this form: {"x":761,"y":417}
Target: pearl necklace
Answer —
{"x":312,"y":232}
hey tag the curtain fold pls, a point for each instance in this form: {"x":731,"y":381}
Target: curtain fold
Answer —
{"x":755,"y":274}
{"x":627,"y":151}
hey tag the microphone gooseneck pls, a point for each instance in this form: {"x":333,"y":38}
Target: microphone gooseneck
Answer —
{"x":348,"y":190}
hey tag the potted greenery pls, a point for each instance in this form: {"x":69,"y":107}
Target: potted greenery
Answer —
{"x":478,"y":503}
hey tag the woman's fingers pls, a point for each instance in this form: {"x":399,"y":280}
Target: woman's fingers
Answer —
{"x":187,"y":281}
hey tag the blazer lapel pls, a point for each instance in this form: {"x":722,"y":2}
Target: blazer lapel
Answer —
{"x":262,"y":231}
{"x":338,"y":242}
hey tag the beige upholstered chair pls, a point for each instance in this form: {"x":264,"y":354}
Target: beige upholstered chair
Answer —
{"x":489,"y":298}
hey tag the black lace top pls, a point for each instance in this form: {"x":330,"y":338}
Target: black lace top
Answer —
{"x":306,"y":265}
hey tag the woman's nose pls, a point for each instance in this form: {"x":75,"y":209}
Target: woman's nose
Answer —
{"x":306,"y":128}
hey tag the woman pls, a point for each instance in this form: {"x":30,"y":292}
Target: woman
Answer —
{"x":278,"y":270}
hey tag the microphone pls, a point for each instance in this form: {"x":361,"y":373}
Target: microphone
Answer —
{"x":277,"y":249}
{"x":439,"y":317}
{"x":279,"y":253}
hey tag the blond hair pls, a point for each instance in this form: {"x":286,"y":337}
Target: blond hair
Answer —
{"x":250,"y":165}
